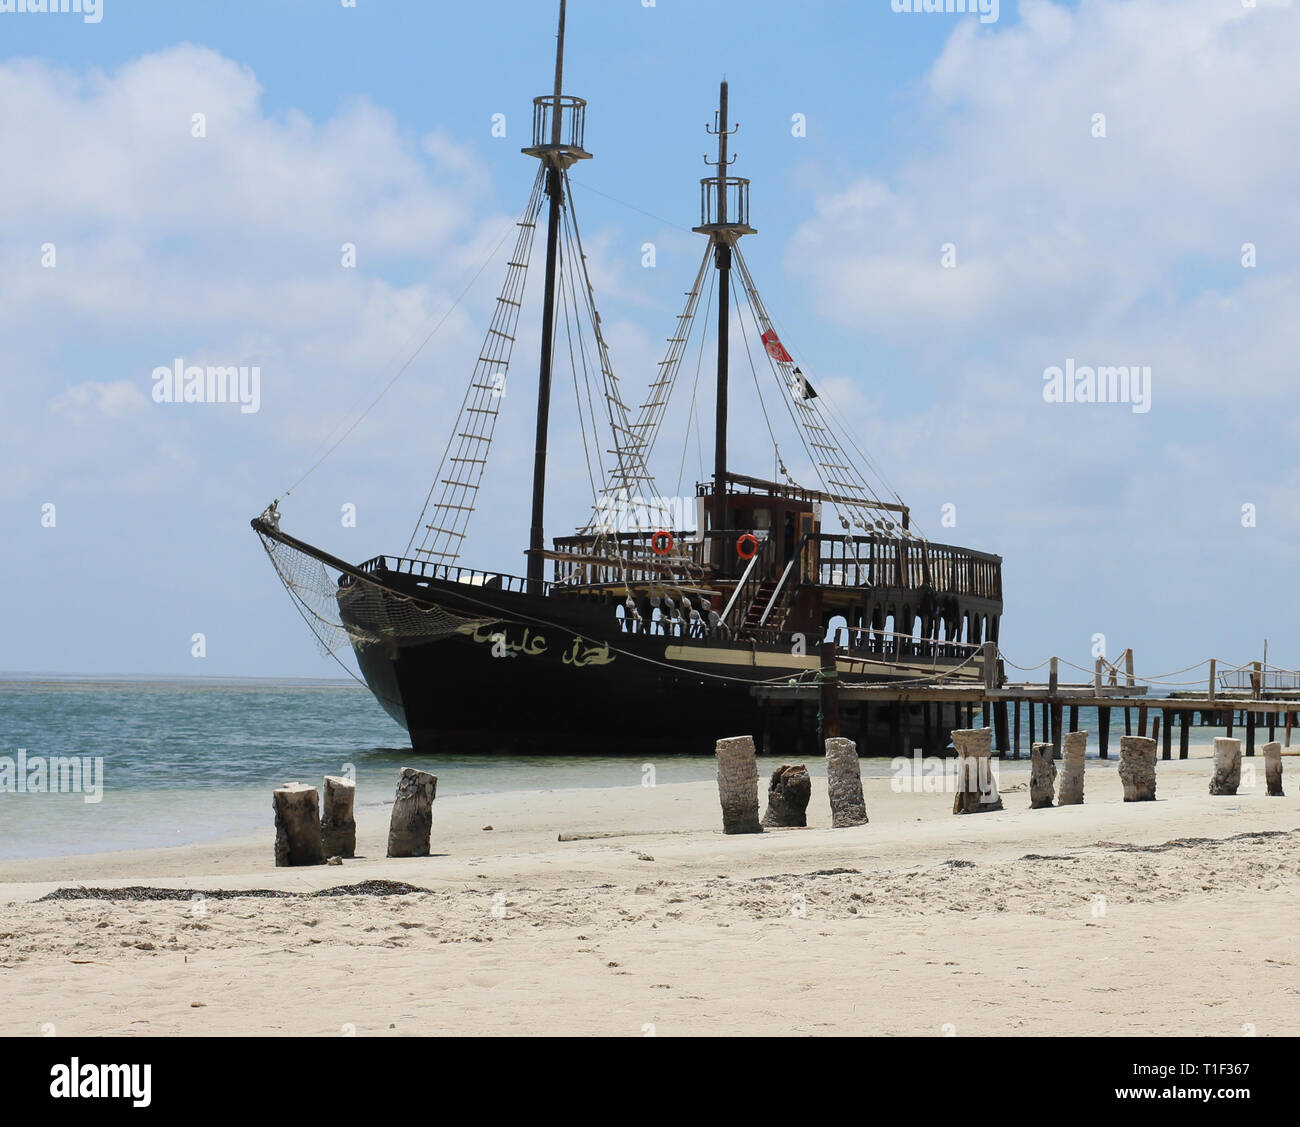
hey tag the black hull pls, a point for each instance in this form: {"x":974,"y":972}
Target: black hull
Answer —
{"x":558,"y":676}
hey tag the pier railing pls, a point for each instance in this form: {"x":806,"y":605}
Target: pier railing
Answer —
{"x":1265,"y":680}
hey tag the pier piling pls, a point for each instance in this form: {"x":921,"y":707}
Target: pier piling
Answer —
{"x":738,"y":785}
{"x":338,"y":827}
{"x":1071,"y":789}
{"x":844,"y":784}
{"x":1273,"y":769}
{"x":297,"y":825}
{"x":1137,"y":768}
{"x":411,"y":825}
{"x":1042,"y":776}
{"x":1227,"y":766}
{"x":977,"y":790}
{"x":788,"y":792}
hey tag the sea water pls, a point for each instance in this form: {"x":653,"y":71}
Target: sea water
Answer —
{"x":196,"y":760}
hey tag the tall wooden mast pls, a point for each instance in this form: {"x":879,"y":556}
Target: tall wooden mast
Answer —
{"x":724,"y":217}
{"x":558,"y":126}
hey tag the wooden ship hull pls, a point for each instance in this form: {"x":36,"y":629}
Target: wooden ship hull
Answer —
{"x":572,"y":671}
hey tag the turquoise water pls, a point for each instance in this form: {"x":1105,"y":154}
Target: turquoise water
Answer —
{"x":193,"y":761}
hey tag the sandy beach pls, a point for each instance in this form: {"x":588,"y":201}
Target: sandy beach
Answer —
{"x":919,"y":923}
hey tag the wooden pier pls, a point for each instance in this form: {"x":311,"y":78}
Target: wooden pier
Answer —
{"x":899,"y":718}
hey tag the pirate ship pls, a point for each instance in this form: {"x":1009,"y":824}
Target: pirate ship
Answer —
{"x":641,"y":634}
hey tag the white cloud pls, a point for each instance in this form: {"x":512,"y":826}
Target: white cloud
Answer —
{"x":1055,"y":229}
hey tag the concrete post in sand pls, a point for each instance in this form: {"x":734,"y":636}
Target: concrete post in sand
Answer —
{"x":1042,"y":776}
{"x":738,"y":785}
{"x":787,"y":797}
{"x":844,"y":784}
{"x":412,"y":822}
{"x":297,"y":825}
{"x":1227,"y":766}
{"x":338,"y":826}
{"x":977,"y":790}
{"x":1071,"y":789}
{"x":1137,"y":768}
{"x":1273,"y":769}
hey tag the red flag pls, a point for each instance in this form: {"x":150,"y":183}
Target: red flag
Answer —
{"x":775,"y":348}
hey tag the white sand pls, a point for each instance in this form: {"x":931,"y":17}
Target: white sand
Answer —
{"x":689,"y":932}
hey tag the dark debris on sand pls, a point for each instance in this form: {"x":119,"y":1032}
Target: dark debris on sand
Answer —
{"x":139,"y":893}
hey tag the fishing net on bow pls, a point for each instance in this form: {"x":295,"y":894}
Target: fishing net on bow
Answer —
{"x":349,"y":608}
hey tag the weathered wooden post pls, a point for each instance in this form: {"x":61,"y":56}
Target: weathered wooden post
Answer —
{"x":1137,"y":768}
{"x":1058,"y":726}
{"x":1213,"y":664}
{"x":1103,"y":732}
{"x":1185,"y":734}
{"x":412,"y":821}
{"x":1042,"y":776}
{"x":297,"y":825}
{"x":738,"y":785}
{"x":844,"y":783}
{"x":338,"y":826}
{"x":1167,"y":749}
{"x":787,"y":797}
{"x":1227,"y":766}
{"x":1070,"y":792}
{"x":830,"y":692}
{"x":1273,"y":769}
{"x":1250,"y":732}
{"x":977,"y":789}
{"x":1015,"y":705}
{"x":1142,"y":720}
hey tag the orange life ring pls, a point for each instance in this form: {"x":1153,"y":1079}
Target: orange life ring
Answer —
{"x":750,"y":541}
{"x":663,"y":538}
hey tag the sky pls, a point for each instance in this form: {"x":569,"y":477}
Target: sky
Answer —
{"x":948,"y":207}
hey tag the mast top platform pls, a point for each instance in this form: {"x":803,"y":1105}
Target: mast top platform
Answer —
{"x":558,"y":139}
{"x":728,"y":221}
